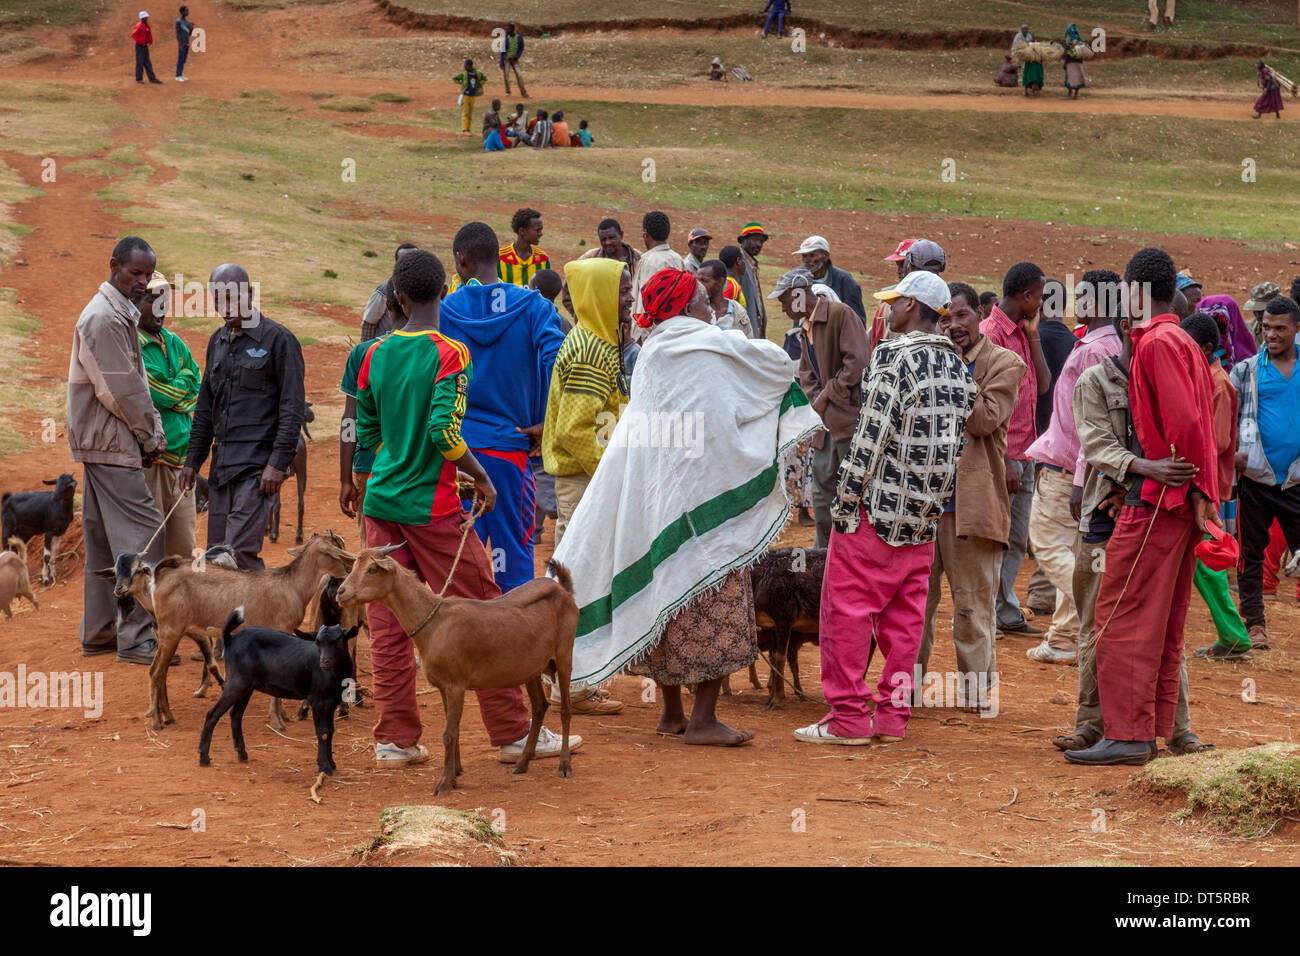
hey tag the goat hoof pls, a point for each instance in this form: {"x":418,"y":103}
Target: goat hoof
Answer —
{"x":566,"y":770}
{"x":443,"y":786}
{"x":297,"y":539}
{"x":201,"y":692}
{"x":243,"y":756}
{"x":773,"y":705}
{"x":520,"y":768}
{"x":204,"y":761}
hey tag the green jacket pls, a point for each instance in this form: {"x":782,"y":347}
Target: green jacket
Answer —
{"x":464,"y":78}
{"x":174,"y":387}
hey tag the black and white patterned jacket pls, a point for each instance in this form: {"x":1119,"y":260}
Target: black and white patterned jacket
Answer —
{"x":902,"y":460}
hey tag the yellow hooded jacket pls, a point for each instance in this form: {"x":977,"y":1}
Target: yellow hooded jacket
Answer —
{"x":585,"y":383}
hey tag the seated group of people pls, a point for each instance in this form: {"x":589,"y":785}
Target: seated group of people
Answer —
{"x":541,"y":131}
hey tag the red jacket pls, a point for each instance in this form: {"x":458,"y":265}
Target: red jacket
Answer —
{"x":142,"y":34}
{"x":1172,"y":402}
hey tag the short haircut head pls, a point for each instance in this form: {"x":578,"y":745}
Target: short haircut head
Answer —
{"x":582,"y":124}
{"x":609,"y":224}
{"x":656,"y":226}
{"x":729,"y":255}
{"x":559,"y":115}
{"x":1105,"y":288}
{"x":928,"y":314}
{"x":966,"y":292}
{"x":548,"y":282}
{"x":715,"y":267}
{"x":1295,"y":289}
{"x":1202,"y":328}
{"x":397,"y":253}
{"x":1021,"y":276}
{"x":1153,"y":268}
{"x":128,"y":246}
{"x":988,"y":297}
{"x":477,"y":242}
{"x":522,"y":218}
{"x":419,"y":276}
{"x":1281,"y":305}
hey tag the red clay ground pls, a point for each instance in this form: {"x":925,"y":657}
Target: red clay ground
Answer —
{"x":110,"y":791}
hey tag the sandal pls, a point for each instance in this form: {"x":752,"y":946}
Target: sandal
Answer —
{"x":1188,"y":743}
{"x":1081,"y":739}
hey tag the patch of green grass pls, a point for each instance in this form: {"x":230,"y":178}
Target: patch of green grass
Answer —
{"x":1244,"y":791}
{"x":45,"y":119}
{"x":91,"y":167}
{"x":24,"y":14}
{"x":390,"y":97}
{"x":348,"y":106}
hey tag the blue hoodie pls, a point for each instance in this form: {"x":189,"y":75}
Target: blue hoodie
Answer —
{"x":513,"y":335}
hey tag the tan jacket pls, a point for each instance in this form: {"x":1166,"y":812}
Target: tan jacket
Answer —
{"x":1101,"y":414}
{"x":983,"y":510}
{"x":110,"y":411}
{"x":832,"y":375}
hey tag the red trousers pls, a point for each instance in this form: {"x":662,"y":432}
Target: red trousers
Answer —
{"x":1141,"y":649}
{"x":1273,"y":560}
{"x":429,"y":552}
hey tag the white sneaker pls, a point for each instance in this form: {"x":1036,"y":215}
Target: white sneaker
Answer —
{"x":391,"y":756}
{"x":821,"y":734}
{"x":1044,"y":653}
{"x":180,"y":79}
{"x":548,"y":745}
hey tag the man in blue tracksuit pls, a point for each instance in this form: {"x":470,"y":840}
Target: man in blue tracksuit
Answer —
{"x":513,"y":335}
{"x":776,"y":10}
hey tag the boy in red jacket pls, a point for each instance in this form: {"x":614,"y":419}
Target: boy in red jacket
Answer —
{"x":143,"y":37}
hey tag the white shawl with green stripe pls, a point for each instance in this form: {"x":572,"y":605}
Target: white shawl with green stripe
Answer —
{"x":688,"y":489}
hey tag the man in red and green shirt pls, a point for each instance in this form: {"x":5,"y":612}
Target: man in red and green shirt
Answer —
{"x":411,"y":395}
{"x":174,"y":381}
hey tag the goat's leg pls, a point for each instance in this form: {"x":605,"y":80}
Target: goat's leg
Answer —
{"x":51,"y":551}
{"x":776,"y":680}
{"x":27,"y":593}
{"x":162,"y":661}
{"x":273,"y":518}
{"x":454,"y":703}
{"x":275,"y":716}
{"x":356,"y":667}
{"x":754,"y":682}
{"x":200,"y":637}
{"x":237,"y":723}
{"x":793,"y":659}
{"x":323,"y":716}
{"x":537,"y":697}
{"x":566,"y":711}
{"x":226,"y":701}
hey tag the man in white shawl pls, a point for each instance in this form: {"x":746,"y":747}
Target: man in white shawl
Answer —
{"x":686,"y":497}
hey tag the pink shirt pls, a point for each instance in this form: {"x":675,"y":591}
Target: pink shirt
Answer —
{"x":1020,"y":430}
{"x":1059,"y":445}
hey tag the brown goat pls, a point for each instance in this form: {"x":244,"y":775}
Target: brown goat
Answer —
{"x":14,"y":581}
{"x":475,"y":645}
{"x":184,"y":600}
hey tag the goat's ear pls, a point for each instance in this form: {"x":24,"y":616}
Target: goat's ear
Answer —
{"x":351,"y":632}
{"x":306,"y":636}
{"x":108,"y":574}
{"x":293,"y":552}
{"x":49,"y":482}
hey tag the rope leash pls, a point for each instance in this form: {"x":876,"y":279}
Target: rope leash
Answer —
{"x":475,"y":510}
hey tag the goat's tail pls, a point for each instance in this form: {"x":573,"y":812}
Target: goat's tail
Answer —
{"x":233,"y":623}
{"x":561,"y":574}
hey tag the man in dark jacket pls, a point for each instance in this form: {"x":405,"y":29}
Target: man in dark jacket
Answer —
{"x":833,"y":355}
{"x":512,"y":48}
{"x":816,"y":253}
{"x":250,"y":411}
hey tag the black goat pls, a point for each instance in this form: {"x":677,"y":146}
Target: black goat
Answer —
{"x":298,"y":469}
{"x":25,"y":514}
{"x":281,"y":665}
{"x":787,"y":605}
{"x":328,"y":611}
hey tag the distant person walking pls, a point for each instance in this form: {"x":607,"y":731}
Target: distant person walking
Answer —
{"x":184,"y":29}
{"x":1270,"y":101}
{"x":775,"y":10}
{"x":512,"y":48}
{"x":142,"y":34}
{"x":471,"y":83}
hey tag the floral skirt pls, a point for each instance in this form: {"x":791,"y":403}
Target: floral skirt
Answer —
{"x":711,"y":637}
{"x":799,"y":474}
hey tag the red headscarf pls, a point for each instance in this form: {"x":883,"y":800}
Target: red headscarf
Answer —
{"x":667,"y":294}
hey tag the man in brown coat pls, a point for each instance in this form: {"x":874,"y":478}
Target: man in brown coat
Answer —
{"x":114,"y":431}
{"x":832,"y":357}
{"x":976,"y":522}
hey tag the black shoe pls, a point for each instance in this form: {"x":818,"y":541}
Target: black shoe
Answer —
{"x":1106,"y":752}
{"x":1043,"y":611}
{"x":154,"y":79}
{"x":143,"y":653}
{"x":1023,"y":629}
{"x":1217,"y":652}
{"x":94,"y":650}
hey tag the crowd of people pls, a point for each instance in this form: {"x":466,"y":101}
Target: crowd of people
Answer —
{"x":634,"y":396}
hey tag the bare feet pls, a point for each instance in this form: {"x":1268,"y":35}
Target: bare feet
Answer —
{"x":671,"y":727}
{"x":718,"y":734}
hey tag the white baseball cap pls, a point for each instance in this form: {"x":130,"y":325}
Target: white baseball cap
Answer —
{"x":812,"y":244}
{"x":144,"y":14}
{"x":925,"y":287}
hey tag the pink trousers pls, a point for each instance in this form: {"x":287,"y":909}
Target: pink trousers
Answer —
{"x":871,"y":587}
